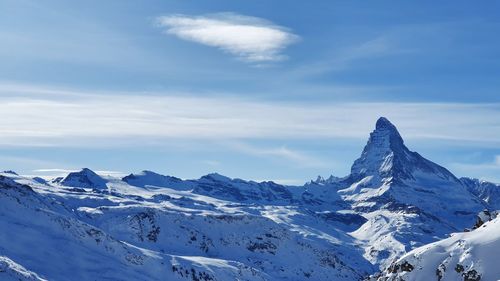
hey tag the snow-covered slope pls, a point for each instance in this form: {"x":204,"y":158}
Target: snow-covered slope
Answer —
{"x":148,"y":226}
{"x":468,"y":256}
{"x":166,"y":234}
{"x":11,"y":271}
{"x":48,"y":240}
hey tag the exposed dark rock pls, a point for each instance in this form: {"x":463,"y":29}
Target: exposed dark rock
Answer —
{"x":406,"y":266}
{"x":192,"y":273}
{"x":145,"y":225}
{"x":265,"y":246}
{"x":483,"y":217}
{"x":471,"y":275}
{"x":440,"y":271}
{"x":348,"y":219}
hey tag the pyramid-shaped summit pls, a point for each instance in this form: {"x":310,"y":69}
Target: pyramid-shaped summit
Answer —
{"x":386,"y":156}
{"x":388,"y":177}
{"x":84,"y":178}
{"x":386,"y":128}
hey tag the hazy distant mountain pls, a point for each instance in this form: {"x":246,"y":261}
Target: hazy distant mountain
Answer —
{"x":486,"y":191}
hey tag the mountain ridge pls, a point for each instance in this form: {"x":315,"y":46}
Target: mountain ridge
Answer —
{"x":220,"y":228}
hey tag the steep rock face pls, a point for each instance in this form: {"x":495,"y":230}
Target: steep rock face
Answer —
{"x":487,"y":191}
{"x":385,"y":156}
{"x":85,"y":178}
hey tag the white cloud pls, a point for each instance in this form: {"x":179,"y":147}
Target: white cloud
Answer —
{"x":298,"y":158}
{"x":56,"y":172}
{"x":110,"y":119}
{"x":23,"y":161}
{"x":250,"y":38}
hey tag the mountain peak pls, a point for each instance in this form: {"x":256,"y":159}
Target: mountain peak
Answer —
{"x":384,"y":123}
{"x":85,"y":178}
{"x":385,"y":129}
{"x":216,"y":177}
{"x":152,"y":179}
{"x":386,"y":156}
{"x":383,"y":147}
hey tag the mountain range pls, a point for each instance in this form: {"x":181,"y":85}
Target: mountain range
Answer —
{"x":396,"y":216}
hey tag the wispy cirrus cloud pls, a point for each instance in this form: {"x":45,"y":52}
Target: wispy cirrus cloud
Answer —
{"x":40,"y":118}
{"x":54,"y":172}
{"x":282,"y":152}
{"x":249,"y":38}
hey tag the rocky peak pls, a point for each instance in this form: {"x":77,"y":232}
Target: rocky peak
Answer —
{"x":383,"y":124}
{"x":322,"y":181}
{"x":385,"y":137}
{"x":384,"y":149}
{"x":386,"y":156}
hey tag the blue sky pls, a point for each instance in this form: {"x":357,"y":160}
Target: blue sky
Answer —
{"x":263,"y":90}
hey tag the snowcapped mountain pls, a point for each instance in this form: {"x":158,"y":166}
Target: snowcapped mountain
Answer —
{"x":151,"y":179}
{"x":148,"y":226}
{"x":389,"y":175}
{"x":85,"y":178}
{"x":408,"y":200}
{"x":165,"y":234}
{"x":216,"y":186}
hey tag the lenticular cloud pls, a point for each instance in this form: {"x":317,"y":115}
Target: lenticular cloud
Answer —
{"x":249,"y":38}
